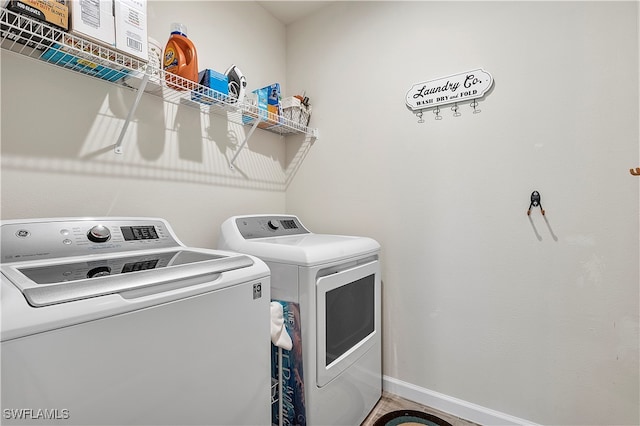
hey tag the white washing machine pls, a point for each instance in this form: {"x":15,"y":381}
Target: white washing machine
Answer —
{"x":335,"y":282}
{"x":113,"y":321}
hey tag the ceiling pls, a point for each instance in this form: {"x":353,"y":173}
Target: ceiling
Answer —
{"x":290,"y":11}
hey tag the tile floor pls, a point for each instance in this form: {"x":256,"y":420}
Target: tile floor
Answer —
{"x":390,"y":402}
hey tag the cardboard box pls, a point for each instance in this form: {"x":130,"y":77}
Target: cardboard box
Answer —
{"x":274,"y":108}
{"x":131,"y":28}
{"x":93,"y":19}
{"x":49,"y":11}
{"x":12,"y":35}
{"x":156,"y":79}
{"x":37,"y":37}
{"x":268,"y":105}
{"x":217,"y":84}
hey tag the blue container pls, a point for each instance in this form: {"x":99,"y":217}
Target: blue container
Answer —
{"x":217,"y":87}
{"x":67,"y":60}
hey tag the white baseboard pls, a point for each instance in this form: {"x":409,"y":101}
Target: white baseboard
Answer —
{"x":457,"y":407}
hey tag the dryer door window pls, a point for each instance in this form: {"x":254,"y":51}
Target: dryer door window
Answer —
{"x":348,"y":318}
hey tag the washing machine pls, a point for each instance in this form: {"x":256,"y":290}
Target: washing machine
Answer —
{"x":331,"y":285}
{"x":113,"y":321}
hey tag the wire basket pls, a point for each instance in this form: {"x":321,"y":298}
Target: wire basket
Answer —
{"x":297,"y":114}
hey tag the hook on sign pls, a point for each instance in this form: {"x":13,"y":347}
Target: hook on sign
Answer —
{"x":437,"y":113}
{"x":474,"y":105}
{"x":454,"y":108}
{"x":535,"y":202}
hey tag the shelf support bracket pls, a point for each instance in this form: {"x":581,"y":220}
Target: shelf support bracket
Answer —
{"x":132,"y":110}
{"x":244,"y":142}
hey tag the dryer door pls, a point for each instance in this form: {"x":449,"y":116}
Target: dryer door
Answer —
{"x":348,"y":318}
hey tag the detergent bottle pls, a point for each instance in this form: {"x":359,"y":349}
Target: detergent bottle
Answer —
{"x":181,"y":59}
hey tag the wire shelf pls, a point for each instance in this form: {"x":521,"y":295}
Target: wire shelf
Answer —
{"x":38,"y":40}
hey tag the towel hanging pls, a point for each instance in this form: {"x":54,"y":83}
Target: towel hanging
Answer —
{"x":279,"y":335}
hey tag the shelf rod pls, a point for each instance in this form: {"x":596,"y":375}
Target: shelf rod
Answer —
{"x":143,"y":84}
{"x":246,"y":139}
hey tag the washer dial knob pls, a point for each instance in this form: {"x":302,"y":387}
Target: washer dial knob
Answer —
{"x":274,"y":224}
{"x":99,"y":234}
{"x":100,"y":271}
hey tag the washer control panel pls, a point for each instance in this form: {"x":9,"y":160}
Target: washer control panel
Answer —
{"x":48,"y":239}
{"x":269,"y":226}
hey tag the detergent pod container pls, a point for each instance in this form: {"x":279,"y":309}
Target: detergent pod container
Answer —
{"x":180,"y":59}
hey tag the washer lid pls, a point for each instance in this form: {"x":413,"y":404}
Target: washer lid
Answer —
{"x":46,"y":283}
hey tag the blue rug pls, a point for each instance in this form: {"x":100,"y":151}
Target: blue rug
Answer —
{"x":410,"y":418}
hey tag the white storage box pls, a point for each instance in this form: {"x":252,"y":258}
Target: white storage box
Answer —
{"x":131,"y":28}
{"x":93,"y":20}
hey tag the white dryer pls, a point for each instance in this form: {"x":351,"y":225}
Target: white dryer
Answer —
{"x":335,"y":280}
{"x":113,"y":321}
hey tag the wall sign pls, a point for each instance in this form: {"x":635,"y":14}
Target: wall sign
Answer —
{"x":455,"y":88}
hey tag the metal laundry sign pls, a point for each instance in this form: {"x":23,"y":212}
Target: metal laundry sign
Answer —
{"x":447,"y":90}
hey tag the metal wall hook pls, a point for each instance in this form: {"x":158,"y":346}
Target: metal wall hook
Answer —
{"x":420,"y":119}
{"x":535,"y":202}
{"x":454,"y":108}
{"x":474,"y":105}
{"x":635,"y":172}
{"x":437,"y":113}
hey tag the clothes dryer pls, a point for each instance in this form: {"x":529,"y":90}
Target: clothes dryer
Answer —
{"x":334,"y":281}
{"x":114,"y":321}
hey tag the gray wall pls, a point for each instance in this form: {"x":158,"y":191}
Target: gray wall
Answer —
{"x":533,"y":316}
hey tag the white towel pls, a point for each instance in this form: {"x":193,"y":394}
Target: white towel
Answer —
{"x":279,"y":335}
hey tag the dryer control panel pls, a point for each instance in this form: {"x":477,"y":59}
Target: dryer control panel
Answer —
{"x":269,"y":226}
{"x":36,"y":239}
